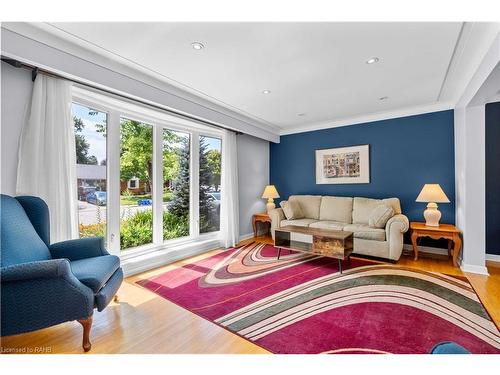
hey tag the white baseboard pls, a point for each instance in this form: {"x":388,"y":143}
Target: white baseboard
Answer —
{"x":427,"y":249}
{"x":246,"y":236}
{"x":493,"y":257}
{"x":159,"y":258}
{"x":156,"y":259}
{"x":482,"y":270}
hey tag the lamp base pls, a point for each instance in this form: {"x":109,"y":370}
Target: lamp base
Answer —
{"x":432,"y":215}
{"x":270,"y":205}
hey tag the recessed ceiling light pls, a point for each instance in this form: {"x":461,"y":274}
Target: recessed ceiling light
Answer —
{"x":373,"y":60}
{"x":197,"y":45}
{"x":266,"y":91}
{"x":301,"y":114}
{"x":383,"y":98}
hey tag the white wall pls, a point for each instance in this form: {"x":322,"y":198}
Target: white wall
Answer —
{"x":253,"y":176}
{"x":470,"y":197}
{"x":470,"y":160}
{"x":16,"y":94}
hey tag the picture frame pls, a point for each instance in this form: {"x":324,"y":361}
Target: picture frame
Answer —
{"x":343,"y":165}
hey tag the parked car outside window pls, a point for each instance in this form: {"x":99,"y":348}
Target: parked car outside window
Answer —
{"x":215,"y":201}
{"x":98,"y":198}
{"x":83,"y":191}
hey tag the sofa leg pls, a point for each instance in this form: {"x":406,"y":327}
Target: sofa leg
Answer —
{"x":115,"y":298}
{"x":87,"y":324}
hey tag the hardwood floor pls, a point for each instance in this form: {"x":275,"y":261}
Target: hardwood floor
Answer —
{"x":142,"y":322}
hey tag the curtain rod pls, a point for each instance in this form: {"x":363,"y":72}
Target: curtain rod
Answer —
{"x":36,"y":70}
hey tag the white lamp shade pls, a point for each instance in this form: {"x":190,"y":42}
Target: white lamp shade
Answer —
{"x":432,"y":193}
{"x":270,"y":192}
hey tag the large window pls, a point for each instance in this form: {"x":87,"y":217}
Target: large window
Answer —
{"x":90,"y":141}
{"x":151,"y":178}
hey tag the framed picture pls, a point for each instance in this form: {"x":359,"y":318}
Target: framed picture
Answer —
{"x":343,"y":165}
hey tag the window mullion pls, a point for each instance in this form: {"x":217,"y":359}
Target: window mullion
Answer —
{"x":194,"y":174}
{"x":157,"y":185}
{"x":113,"y":175}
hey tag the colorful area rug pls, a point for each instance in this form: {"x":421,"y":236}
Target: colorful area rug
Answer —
{"x":302,"y":304}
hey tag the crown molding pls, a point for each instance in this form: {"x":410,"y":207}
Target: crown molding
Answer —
{"x":494,"y":99}
{"x":75,"y":47}
{"x":51,"y":37}
{"x":377,"y":116}
{"x":486,"y":66}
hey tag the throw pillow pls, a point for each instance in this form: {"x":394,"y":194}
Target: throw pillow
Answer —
{"x":292,"y":210}
{"x":380,"y":215}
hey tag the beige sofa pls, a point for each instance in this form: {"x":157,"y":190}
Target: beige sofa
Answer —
{"x":350,"y":214}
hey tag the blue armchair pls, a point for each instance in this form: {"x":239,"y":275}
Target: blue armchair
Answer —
{"x":44,"y":284}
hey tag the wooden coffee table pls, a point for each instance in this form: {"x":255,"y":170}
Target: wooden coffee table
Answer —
{"x":324,"y":242}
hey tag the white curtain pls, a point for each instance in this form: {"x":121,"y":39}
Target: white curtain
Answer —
{"x":229,"y":213}
{"x":47,"y":158}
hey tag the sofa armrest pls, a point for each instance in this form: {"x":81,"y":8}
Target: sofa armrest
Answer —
{"x":394,"y":229}
{"x":397,"y":223}
{"x":276,"y":215}
{"x":78,"y":249}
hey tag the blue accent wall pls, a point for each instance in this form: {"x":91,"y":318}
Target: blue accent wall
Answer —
{"x":405,"y":153}
{"x":492,"y":178}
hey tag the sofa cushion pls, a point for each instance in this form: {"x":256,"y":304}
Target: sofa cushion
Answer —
{"x":328,"y":224}
{"x":298,"y":222}
{"x":292,"y":210}
{"x":380,"y":215}
{"x":365,"y":232}
{"x":363,"y":207}
{"x":336,"y":209}
{"x":95,"y":272}
{"x":309,"y":204}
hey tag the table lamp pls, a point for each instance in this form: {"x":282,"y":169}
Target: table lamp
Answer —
{"x":432,"y":194}
{"x":270,"y":193}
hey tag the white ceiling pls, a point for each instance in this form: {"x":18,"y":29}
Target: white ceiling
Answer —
{"x":314,"y":68}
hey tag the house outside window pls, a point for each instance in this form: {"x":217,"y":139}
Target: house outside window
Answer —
{"x":133,"y":183}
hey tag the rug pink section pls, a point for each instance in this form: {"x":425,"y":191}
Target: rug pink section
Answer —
{"x":302,"y":304}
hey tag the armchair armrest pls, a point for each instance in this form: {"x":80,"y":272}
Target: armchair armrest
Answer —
{"x":43,"y":279}
{"x":40,"y":294}
{"x":44,"y":269}
{"x":78,"y":249}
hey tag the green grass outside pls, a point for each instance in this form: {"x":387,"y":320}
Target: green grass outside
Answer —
{"x":131,"y":200}
{"x":138,"y":229}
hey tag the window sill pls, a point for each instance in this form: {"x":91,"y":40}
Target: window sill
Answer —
{"x":160,"y":255}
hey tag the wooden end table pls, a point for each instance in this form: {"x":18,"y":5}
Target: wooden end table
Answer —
{"x":446,"y":231}
{"x":262,"y":217}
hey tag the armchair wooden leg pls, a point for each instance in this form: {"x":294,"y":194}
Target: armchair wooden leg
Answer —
{"x":87,"y":324}
{"x":115,"y":298}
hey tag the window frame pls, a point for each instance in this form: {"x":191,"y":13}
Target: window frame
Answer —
{"x":116,"y":109}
